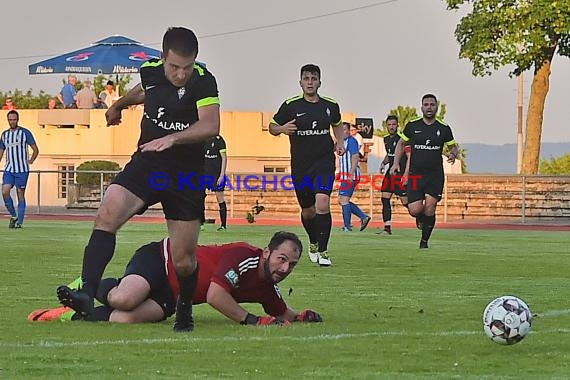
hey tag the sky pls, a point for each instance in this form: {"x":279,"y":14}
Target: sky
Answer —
{"x":374,"y":55}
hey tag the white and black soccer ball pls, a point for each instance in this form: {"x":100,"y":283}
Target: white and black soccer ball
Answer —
{"x":507,"y":320}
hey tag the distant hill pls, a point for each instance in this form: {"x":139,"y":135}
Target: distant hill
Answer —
{"x":502,"y":159}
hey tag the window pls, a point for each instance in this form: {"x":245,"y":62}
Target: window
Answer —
{"x":274,"y":169}
{"x":64,"y":179}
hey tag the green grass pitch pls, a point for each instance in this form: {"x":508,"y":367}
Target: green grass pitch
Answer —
{"x":391,"y":311}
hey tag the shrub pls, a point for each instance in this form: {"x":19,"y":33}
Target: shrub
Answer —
{"x":95,"y":178}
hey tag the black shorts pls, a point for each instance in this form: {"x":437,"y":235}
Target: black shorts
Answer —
{"x":210,"y":179}
{"x":393,"y":184}
{"x":318,"y":180}
{"x":154,"y":179}
{"x":148,"y":263}
{"x":420,"y":184}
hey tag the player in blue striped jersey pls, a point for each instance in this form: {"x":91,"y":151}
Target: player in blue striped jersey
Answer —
{"x":15,"y":142}
{"x":349,"y":173}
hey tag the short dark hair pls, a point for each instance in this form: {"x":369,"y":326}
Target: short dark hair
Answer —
{"x":392,"y":117}
{"x":110,"y":83}
{"x":280,"y":237}
{"x":313,"y":69}
{"x":13,"y":112}
{"x":181,"y":41}
{"x":429,"y":96}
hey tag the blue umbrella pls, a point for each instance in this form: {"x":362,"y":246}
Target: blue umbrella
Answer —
{"x":112,"y":55}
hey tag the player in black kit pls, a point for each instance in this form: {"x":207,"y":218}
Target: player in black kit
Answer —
{"x":215,"y":173}
{"x":181,"y":111}
{"x":426,"y":136}
{"x":307,"y":119}
{"x":390,"y":184}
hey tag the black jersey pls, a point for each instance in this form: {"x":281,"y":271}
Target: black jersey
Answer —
{"x":214,"y":149}
{"x":427,"y":144}
{"x":170,"y":109}
{"x":312,"y":142}
{"x":390,"y":143}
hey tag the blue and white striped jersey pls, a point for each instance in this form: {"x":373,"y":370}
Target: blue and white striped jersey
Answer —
{"x":351,"y":148}
{"x":15,"y":143}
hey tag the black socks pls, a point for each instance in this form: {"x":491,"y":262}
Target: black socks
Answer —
{"x":98,"y":252}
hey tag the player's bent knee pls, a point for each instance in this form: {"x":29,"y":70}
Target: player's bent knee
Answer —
{"x":121,"y":301}
{"x":415,"y":211}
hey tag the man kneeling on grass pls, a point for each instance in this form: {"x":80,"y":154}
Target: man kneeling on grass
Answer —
{"x":228,"y":275}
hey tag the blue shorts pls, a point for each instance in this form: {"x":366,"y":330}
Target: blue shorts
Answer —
{"x":346,"y":188}
{"x":18,"y":179}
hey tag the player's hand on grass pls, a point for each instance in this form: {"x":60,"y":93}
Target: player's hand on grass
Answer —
{"x":308,"y":316}
{"x":267,"y":320}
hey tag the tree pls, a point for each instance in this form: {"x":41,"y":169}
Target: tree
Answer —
{"x":521,"y":33}
{"x":95,"y":178}
{"x":404,"y":115}
{"x":556,"y":165}
{"x":121,"y":85}
{"x":26,"y":100}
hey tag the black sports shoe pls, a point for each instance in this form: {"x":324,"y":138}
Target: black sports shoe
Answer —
{"x":184,"y":321}
{"x":12,"y":223}
{"x":76,"y":299}
{"x":423,"y":244}
{"x":388,"y":230}
{"x":364,"y":223}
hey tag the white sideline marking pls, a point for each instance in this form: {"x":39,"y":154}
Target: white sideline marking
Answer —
{"x":321,"y":337}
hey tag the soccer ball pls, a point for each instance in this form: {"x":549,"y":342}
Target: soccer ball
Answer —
{"x":507,"y":320}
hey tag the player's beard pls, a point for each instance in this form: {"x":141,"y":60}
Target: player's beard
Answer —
{"x":269,"y":274}
{"x":267,"y":271}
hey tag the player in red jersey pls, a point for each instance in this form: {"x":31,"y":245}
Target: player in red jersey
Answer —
{"x":228,"y":275}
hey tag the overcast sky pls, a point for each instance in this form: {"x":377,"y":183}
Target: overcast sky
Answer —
{"x":386,"y":54}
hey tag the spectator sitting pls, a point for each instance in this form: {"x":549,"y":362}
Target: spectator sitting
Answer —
{"x":100,"y":104}
{"x":52,"y":104}
{"x":86,"y":97}
{"x":9,"y":105}
{"x":109,"y":95}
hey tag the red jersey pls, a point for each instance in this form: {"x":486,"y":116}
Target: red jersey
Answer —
{"x":235,"y":267}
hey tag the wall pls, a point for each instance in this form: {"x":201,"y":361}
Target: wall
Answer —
{"x":250,"y":146}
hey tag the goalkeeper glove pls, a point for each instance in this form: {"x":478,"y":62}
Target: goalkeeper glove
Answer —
{"x":308,"y":316}
{"x":267,"y":320}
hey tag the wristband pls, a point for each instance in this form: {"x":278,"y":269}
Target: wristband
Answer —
{"x":250,"y":319}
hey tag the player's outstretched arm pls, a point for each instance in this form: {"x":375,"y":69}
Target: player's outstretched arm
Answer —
{"x":208,"y":125}
{"x":221,"y":300}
